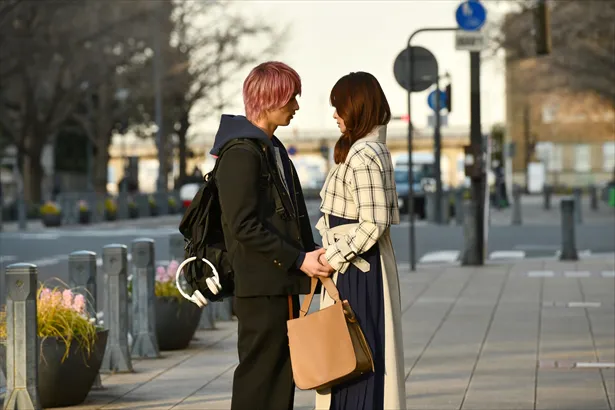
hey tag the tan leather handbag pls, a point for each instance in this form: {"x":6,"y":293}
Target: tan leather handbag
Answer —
{"x":327,"y":347}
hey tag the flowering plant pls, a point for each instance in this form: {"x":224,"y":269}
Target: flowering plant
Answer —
{"x":165,"y":281}
{"x":61,"y":314}
{"x":151,"y":200}
{"x":50,"y":208}
{"x":110,"y":205}
{"x":82,"y":206}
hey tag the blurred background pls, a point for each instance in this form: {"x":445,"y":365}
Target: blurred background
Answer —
{"x":94,"y":93}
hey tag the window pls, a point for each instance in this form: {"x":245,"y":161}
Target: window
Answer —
{"x":608,"y":156}
{"x":582,"y":158}
{"x":110,"y":174}
{"x":550,"y":154}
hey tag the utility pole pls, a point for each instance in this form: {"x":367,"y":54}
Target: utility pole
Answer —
{"x":476,"y":249}
{"x":437,"y":137}
{"x":161,"y":184}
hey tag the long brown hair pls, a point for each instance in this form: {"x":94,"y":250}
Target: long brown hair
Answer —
{"x":361,"y":103}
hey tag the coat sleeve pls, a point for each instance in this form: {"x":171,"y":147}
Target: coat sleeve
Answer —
{"x":365,"y":184}
{"x":237,"y":179}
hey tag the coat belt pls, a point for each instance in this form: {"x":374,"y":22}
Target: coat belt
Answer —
{"x":332,"y":236}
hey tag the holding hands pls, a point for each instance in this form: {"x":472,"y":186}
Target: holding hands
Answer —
{"x":316,"y":264}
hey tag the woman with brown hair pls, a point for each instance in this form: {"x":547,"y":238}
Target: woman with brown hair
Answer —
{"x":359,"y":204}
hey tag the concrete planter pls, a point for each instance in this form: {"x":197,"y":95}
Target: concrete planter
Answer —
{"x":63,"y":384}
{"x":176,"y":322}
{"x":51,"y":220}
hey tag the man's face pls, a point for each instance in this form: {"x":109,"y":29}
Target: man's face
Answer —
{"x":283,"y":115}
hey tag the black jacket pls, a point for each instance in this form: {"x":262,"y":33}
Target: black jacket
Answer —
{"x":265,"y":247}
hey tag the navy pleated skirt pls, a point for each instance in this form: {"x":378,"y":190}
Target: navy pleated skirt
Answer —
{"x":364,"y":292}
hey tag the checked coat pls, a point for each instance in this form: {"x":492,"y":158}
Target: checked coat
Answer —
{"x":363,"y":188}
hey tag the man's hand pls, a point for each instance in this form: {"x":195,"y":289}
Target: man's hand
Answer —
{"x":312,"y":267}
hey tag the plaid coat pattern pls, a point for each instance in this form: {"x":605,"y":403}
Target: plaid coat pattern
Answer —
{"x":362,"y":188}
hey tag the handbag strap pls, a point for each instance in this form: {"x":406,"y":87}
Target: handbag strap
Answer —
{"x":329,"y":286}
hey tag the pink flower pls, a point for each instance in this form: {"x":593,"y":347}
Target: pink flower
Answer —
{"x":67,"y":298}
{"x":79,"y":303}
{"x":161,"y":274}
{"x":56,"y":298}
{"x":45,"y":295}
{"x":172,"y":269}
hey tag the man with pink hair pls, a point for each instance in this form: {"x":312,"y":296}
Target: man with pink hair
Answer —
{"x":268,"y":235}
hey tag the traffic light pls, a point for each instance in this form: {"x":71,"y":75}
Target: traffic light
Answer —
{"x":449,"y":98}
{"x":542,"y":29}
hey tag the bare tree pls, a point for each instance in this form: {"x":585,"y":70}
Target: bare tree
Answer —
{"x":211,"y":44}
{"x":56,"y":54}
{"x":583,"y":52}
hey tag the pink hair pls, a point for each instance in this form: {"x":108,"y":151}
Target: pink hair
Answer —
{"x":269,"y":86}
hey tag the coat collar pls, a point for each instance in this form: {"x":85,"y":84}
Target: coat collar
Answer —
{"x":378,"y":134}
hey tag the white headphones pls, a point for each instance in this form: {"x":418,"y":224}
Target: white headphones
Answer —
{"x":213,"y":283}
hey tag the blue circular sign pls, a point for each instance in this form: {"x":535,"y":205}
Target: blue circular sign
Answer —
{"x":431,"y":100}
{"x":471,"y":15}
{"x":292,"y":150}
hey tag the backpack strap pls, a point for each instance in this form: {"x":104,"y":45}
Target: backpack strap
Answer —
{"x":261,"y":151}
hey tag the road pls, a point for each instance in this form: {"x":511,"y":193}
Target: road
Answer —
{"x":49,"y":248}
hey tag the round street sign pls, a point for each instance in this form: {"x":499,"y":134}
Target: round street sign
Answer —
{"x":431,"y":100}
{"x":424,"y":69}
{"x":292,"y":150}
{"x":470,"y":15}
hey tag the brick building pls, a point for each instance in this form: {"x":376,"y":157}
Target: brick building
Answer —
{"x":572,"y":133}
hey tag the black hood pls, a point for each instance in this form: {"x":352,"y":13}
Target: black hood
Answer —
{"x":236,"y":126}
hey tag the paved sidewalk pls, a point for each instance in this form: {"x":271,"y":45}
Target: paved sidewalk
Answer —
{"x":521,"y":335}
{"x":533,"y":213}
{"x":36,"y":225}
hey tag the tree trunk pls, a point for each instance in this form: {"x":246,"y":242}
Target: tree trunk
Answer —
{"x":103,"y":128}
{"x":32,"y":171}
{"x":101,"y":162}
{"x":183,"y":146}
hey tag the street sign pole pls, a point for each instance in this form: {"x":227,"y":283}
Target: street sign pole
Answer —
{"x":476,"y":139}
{"x":410,"y":139}
{"x":437,"y":138}
{"x":471,"y":16}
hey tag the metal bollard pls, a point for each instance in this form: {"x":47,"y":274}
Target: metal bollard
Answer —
{"x":459,"y":208}
{"x":22,"y":353}
{"x":578,"y":206}
{"x":115,"y":267}
{"x":176,"y":247}
{"x":82,"y":278}
{"x":547,"y":191}
{"x":122,"y":206}
{"x":145,"y":343}
{"x":593,"y":197}
{"x":430,"y":207}
{"x":207,"y":321}
{"x":223,"y":310}
{"x":569,"y":247}
{"x":516,"y":211}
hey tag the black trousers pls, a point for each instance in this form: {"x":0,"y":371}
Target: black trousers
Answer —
{"x":263,"y":379}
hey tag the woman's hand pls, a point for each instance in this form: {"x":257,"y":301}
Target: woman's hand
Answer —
{"x":322,"y":259}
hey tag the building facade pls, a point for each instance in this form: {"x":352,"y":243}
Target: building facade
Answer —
{"x":571,"y":133}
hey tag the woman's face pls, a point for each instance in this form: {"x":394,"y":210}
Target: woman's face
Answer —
{"x":340,"y":122}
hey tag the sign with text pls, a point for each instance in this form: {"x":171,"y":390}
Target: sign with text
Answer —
{"x":470,"y":41}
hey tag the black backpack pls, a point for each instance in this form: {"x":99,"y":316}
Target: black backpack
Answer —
{"x":207,"y":268}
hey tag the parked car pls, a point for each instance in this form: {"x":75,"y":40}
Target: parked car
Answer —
{"x":187,"y":193}
{"x":423,"y":181}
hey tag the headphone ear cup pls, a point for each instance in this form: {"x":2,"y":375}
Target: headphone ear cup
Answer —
{"x":213,"y":285}
{"x":199,"y":299}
